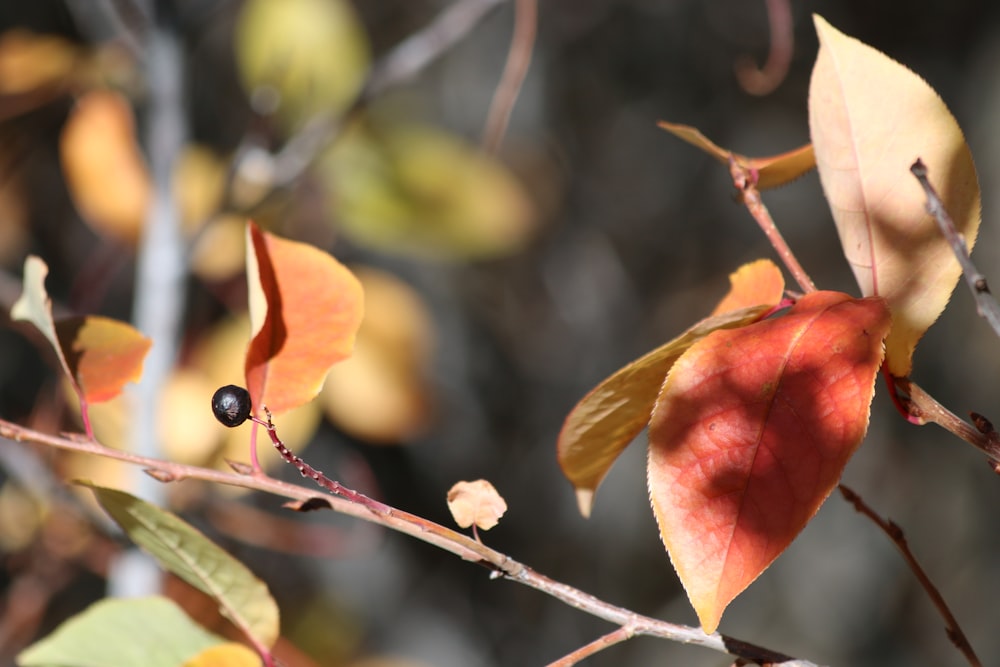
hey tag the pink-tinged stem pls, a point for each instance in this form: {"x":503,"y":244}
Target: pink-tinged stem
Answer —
{"x":745,"y":181}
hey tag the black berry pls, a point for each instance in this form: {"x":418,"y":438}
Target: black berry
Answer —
{"x":231,"y":405}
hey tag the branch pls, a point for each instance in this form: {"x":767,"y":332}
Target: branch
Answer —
{"x":401,"y":64}
{"x":986,"y":305}
{"x":448,"y":540}
{"x":765,"y":79}
{"x":925,"y":408}
{"x":745,"y":181}
{"x":895,"y":533}
{"x":514,"y":72}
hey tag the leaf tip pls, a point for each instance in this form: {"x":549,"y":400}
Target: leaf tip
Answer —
{"x":585,"y":501}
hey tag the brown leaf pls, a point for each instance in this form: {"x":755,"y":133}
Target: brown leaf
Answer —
{"x":476,"y":503}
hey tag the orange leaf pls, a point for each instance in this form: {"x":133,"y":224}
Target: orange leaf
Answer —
{"x":102,"y":354}
{"x":225,"y":655}
{"x":104,"y":168}
{"x":753,"y":284}
{"x":477,"y":503}
{"x":771,"y":171}
{"x":305,"y":310}
{"x":870,"y":118}
{"x":750,"y":435}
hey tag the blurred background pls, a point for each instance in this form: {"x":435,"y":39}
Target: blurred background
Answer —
{"x":500,"y":287}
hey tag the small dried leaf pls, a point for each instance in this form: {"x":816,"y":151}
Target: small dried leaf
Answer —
{"x":476,"y":503}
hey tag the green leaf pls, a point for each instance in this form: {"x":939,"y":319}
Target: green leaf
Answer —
{"x":152,"y":632}
{"x":183,"y":550}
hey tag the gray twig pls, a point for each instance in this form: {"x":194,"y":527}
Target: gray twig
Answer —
{"x":986,"y":305}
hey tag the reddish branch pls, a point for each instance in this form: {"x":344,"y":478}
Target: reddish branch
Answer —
{"x":514,"y":72}
{"x":745,"y":181}
{"x":764,"y":80}
{"x":465,"y":547}
{"x":895,"y":533}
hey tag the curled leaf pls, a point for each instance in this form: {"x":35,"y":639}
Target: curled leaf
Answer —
{"x":750,"y":434}
{"x":97,"y":354}
{"x":870,"y":118}
{"x":305,"y":310}
{"x":477,"y":503}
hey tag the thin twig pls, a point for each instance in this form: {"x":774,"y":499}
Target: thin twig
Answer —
{"x":422,"y":529}
{"x":764,"y":80}
{"x":986,"y":305}
{"x":616,"y":636}
{"x":515,"y":70}
{"x":746,"y":184}
{"x":895,"y":533}
{"x":401,"y":64}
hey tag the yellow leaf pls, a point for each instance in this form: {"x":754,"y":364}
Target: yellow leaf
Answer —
{"x":29,"y":61}
{"x":771,"y":171}
{"x":605,"y":421}
{"x":870,"y":119}
{"x":379,"y":394}
{"x":312,"y":53}
{"x":104,"y":168}
{"x":420,"y":191}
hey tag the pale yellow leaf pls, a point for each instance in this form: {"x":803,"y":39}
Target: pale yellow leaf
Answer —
{"x":870,"y":119}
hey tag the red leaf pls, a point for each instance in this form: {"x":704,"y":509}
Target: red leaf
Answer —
{"x":102,"y":354}
{"x":750,"y":435}
{"x":305,"y":309}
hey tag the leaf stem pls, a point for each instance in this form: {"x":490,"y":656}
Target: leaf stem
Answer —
{"x":745,"y":181}
{"x":514,"y":72}
{"x":986,"y":305}
{"x":500,"y":565}
{"x":895,"y":533}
